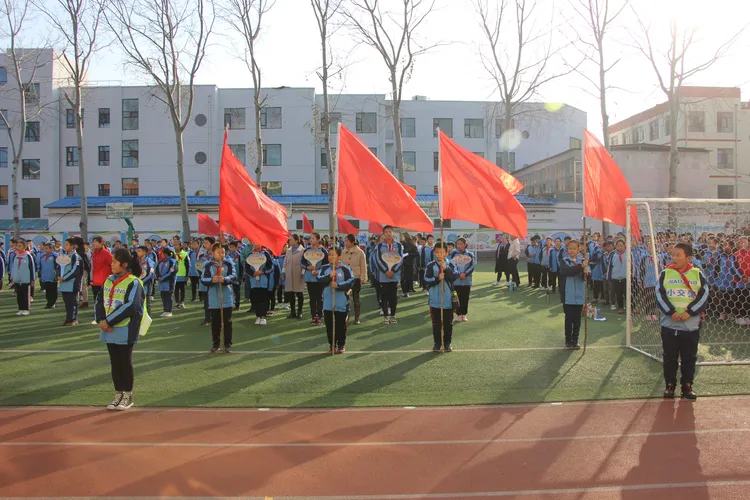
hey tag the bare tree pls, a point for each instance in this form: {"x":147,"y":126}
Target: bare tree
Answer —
{"x":672,"y":69}
{"x":392,"y":34}
{"x":326,"y":12}
{"x":165,"y":40}
{"x":246,"y":18}
{"x":519,"y":68}
{"x":78,"y":22}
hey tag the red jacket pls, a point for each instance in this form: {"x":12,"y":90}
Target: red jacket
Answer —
{"x":743,"y":261}
{"x":101,"y":263}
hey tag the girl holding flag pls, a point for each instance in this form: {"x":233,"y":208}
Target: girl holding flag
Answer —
{"x":439,"y":276}
{"x":218,"y":277}
{"x":575,"y":270}
{"x":71,"y":274}
{"x":336,"y":279}
{"x":465,"y":263}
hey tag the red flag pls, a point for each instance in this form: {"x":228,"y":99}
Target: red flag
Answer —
{"x":476,"y":190}
{"x":244,"y":210}
{"x":346,"y":227}
{"x":605,"y":189}
{"x":367,"y":190}
{"x":375,"y":228}
{"x":207,"y":226}
{"x":412,"y":192}
{"x":307,"y":228}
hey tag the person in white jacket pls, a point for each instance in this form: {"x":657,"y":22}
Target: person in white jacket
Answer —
{"x":514,"y":253}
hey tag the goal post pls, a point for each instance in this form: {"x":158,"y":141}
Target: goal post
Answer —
{"x":718,"y":231}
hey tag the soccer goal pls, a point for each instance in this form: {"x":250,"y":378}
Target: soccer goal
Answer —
{"x":718,"y":231}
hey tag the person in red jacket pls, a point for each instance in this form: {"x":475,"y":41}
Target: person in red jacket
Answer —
{"x":101,"y":267}
{"x":742,"y":305}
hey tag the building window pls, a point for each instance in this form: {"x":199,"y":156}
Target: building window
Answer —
{"x":130,"y":153}
{"x":103,"y":189}
{"x":374,"y":151}
{"x":200,"y":158}
{"x":103,"y":156}
{"x":436,"y":161}
{"x":446,"y":223}
{"x":130,"y":114}
{"x":410,"y":161}
{"x":71,"y":156}
{"x":238,"y":150}
{"x":408,"y":127}
{"x":696,"y":121}
{"x":324,"y":157}
{"x":512,"y":161}
{"x":72,"y":190}
{"x":499,"y":127}
{"x":653,"y":130}
{"x":301,"y":224}
{"x":31,"y":94}
{"x":271,"y":155}
{"x":70,"y":118}
{"x":725,"y":158}
{"x":444,"y":124}
{"x":235,"y":118}
{"x":3,"y":195}
{"x":271,"y":187}
{"x":30,"y":169}
{"x":474,"y":128}
{"x":613,"y":140}
{"x":624,"y":138}
{"x":335,"y":119}
{"x":31,"y":208}
{"x":3,"y":157}
{"x":725,"y":192}
{"x":200,"y":192}
{"x":367,"y":123}
{"x":4,"y":119}
{"x":479,"y":153}
{"x":3,"y":75}
{"x":32,"y":132}
{"x":575,"y":143}
{"x":435,"y":190}
{"x":638,"y":135}
{"x":725,"y":122}
{"x":324,"y":188}
{"x":103,"y":117}
{"x":130,"y":186}
{"x":270,"y":117}
{"x":499,"y":159}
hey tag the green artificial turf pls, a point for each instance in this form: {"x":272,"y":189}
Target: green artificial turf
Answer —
{"x":507,"y":353}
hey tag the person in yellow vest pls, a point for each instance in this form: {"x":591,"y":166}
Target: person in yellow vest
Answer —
{"x":183,"y":266}
{"x":682,"y":296}
{"x":120,"y":312}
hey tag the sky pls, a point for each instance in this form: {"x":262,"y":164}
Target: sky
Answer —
{"x":289,"y":54}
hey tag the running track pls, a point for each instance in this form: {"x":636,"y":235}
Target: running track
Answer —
{"x":573,"y":451}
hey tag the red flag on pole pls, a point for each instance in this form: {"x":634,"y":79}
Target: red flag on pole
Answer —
{"x":346,"y":227}
{"x":307,"y":228}
{"x":207,"y":226}
{"x":244,"y":210}
{"x":412,"y":192}
{"x":375,"y":228}
{"x":476,"y":190}
{"x":605,"y":189}
{"x":367,"y":190}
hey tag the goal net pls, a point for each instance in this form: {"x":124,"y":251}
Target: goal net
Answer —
{"x":718,"y":231}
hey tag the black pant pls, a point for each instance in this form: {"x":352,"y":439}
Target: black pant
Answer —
{"x":206,"y":314}
{"x":23,"y":291}
{"x":216,"y":316}
{"x":340,"y":328}
{"x":512,"y":271}
{"x":389,"y":298}
{"x":463,"y":292}
{"x":544,"y":272}
{"x":297,"y":297}
{"x":71,"y":306}
{"x":437,"y":326}
{"x":95,"y":291}
{"x":407,"y":277}
{"x":280,"y":296}
{"x":236,"y":289}
{"x":193,"y":286}
{"x":598,"y":290}
{"x":179,"y":291}
{"x":530,"y":272}
{"x":260,"y":299}
{"x":121,"y":361}
{"x":553,"y":280}
{"x":572,"y":323}
{"x":356,"y":288}
{"x":378,"y":292}
{"x":619,"y":292}
{"x":315,"y":294}
{"x":271,"y":300}
{"x":680,"y":345}
{"x":50,"y":293}
{"x":166,"y":300}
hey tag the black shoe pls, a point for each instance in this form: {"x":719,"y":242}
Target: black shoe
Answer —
{"x":669,"y":392}
{"x":292,"y":316}
{"x":688,"y":392}
{"x":448,"y":348}
{"x":436,"y":348}
{"x":206,"y":323}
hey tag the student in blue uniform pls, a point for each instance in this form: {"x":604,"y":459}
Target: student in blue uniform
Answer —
{"x":426,"y":255}
{"x":336,"y":279}
{"x":372,"y":267}
{"x":146,"y":273}
{"x":439,"y":276}
{"x":544,"y":263}
{"x":70,"y":278}
{"x":23,"y":275}
{"x":259,"y":280}
{"x":166,"y":272}
{"x":273,"y":280}
{"x":617,"y":274}
{"x":532,"y":249}
{"x":280,"y":291}
{"x":48,"y":273}
{"x":193,"y":273}
{"x":390,"y":273}
{"x":465,"y":263}
{"x":553,"y":264}
{"x":648,"y":279}
{"x":314,"y":290}
{"x":205,"y":256}
{"x":235,"y":256}
{"x":575,"y":270}
{"x":596,"y":262}
{"x":218,"y":277}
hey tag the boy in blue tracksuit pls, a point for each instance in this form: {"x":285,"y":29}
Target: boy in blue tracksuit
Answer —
{"x":728,"y":276}
{"x":372,"y":268}
{"x":218,"y":277}
{"x":22,"y":270}
{"x":236,"y":257}
{"x":648,"y":278}
{"x":596,"y":262}
{"x":193,"y":274}
{"x":439,"y":276}
{"x":574,"y":268}
{"x":314,"y":290}
{"x":617,"y":274}
{"x":147,"y":274}
{"x":70,"y":278}
{"x":336,"y":279}
{"x":259,"y":281}
{"x":48,"y":273}
{"x":166,"y":272}
{"x":465,"y":263}
{"x":532,"y":250}
{"x":205,"y":256}
{"x":390,"y":260}
{"x":426,"y":255}
{"x":3,"y":266}
{"x":544,"y":266}
{"x":553,"y":264}
{"x":273,"y":281}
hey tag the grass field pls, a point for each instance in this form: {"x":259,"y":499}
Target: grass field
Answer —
{"x":509,"y":352}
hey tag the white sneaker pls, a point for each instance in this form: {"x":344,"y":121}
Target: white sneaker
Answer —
{"x":495,"y":283}
{"x":263,"y":321}
{"x":740,"y":321}
{"x":386,"y":320}
{"x":126,"y":401}
{"x":613,"y":307}
{"x":19,"y":313}
{"x":466,"y":319}
{"x":94,"y":323}
{"x":116,"y":401}
{"x":380,"y":312}
{"x":25,"y":313}
{"x":507,"y":283}
{"x":257,"y":321}
{"x":166,"y":315}
{"x":31,"y":299}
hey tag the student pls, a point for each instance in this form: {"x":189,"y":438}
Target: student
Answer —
{"x":682,"y":296}
{"x":70,"y":278}
{"x":372,"y":265}
{"x":48,"y":273}
{"x":3,"y":265}
{"x":336,"y":279}
{"x":101,"y":265}
{"x":193,"y":273}
{"x":514,"y":253}
{"x":239,"y":264}
{"x":120,"y":309}
{"x":314,"y":291}
{"x":273,"y":280}
{"x":410,"y":255}
{"x":85,"y":255}
{"x":617,"y":275}
{"x":531,"y":267}
{"x":354,"y":258}
{"x":501,"y":261}
{"x":23,"y":275}
{"x":575,"y":269}
{"x":553,"y":264}
{"x":205,"y":256}
{"x":544,"y":264}
{"x":607,"y":291}
{"x":596,"y":259}
{"x":259,"y":280}
{"x":728,"y":276}
{"x":647,"y":277}
{"x":465,"y":263}
{"x":439,"y":277}
{"x":280,"y":287}
{"x":218,"y":277}
{"x":181,"y":274}
{"x":165,"y":275}
{"x":146,"y":273}
{"x":390,"y":273}
{"x":293,"y":276}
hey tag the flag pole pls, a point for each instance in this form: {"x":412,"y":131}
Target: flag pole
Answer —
{"x":442,"y":243}
{"x":586,"y":257}
{"x":335,"y":193}
{"x":220,"y":269}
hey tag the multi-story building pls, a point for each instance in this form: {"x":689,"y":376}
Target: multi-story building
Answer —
{"x":710,"y":118}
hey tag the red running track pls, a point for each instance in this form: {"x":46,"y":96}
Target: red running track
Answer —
{"x":606,"y":450}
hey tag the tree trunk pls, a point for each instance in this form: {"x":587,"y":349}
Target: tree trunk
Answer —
{"x":505,"y":136}
{"x":181,"y":182}
{"x":674,"y":160}
{"x":84,"y":224}
{"x":605,"y":116}
{"x":14,"y":187}
{"x":258,"y":140}
{"x":397,"y":126}
{"x":327,"y":137}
